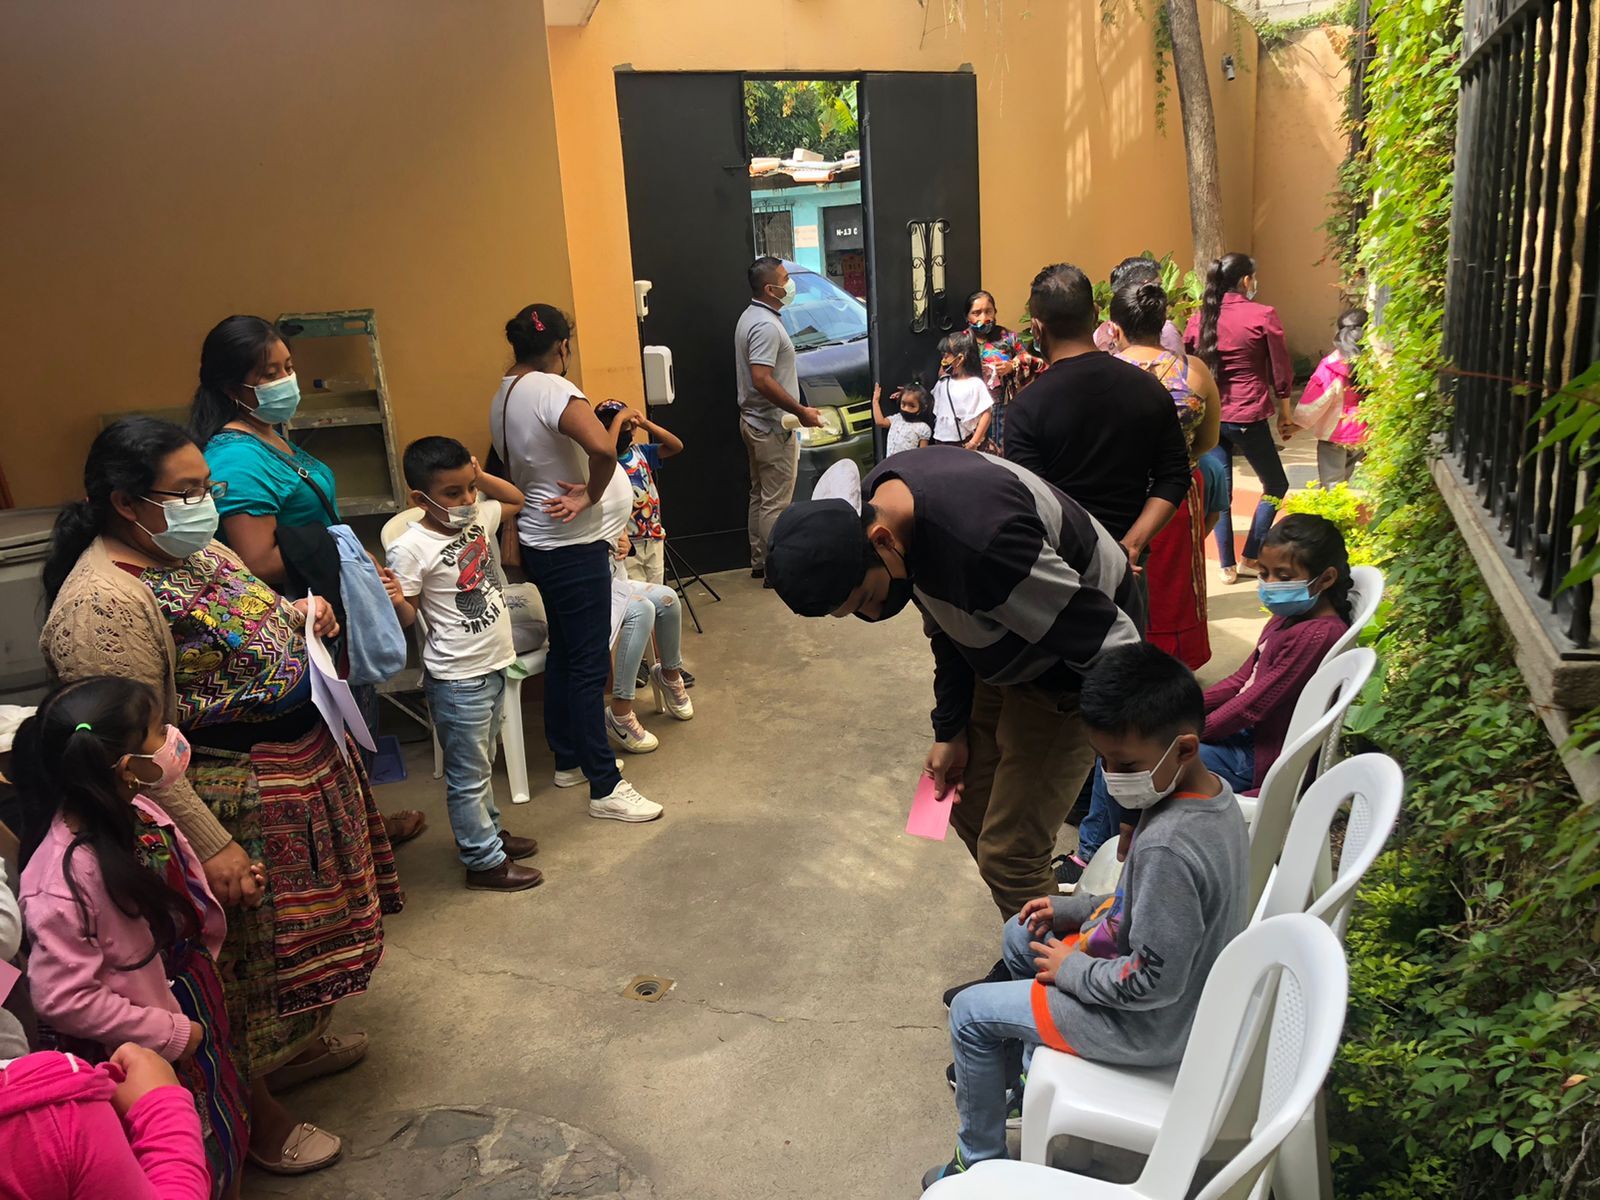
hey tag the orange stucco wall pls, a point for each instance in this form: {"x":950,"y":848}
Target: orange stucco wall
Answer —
{"x":1299,"y":147}
{"x":168,"y":164}
{"x":1073,"y":165}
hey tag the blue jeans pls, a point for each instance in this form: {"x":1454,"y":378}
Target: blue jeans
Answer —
{"x":1234,"y":759}
{"x":993,"y":1035}
{"x":466,"y":715}
{"x":1254,"y":441}
{"x":575,"y":582}
{"x":653,"y":607}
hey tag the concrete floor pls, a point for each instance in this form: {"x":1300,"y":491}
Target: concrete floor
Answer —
{"x":801,"y":1051}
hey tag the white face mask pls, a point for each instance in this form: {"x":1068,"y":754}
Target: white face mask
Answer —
{"x":1137,"y":789}
{"x":788,"y":291}
{"x":459,"y":517}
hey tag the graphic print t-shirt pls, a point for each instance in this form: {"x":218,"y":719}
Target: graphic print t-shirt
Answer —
{"x":469,"y":631}
{"x":645,"y":523}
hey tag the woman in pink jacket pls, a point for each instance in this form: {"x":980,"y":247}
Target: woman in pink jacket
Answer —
{"x":123,"y":929}
{"x":73,"y":1131}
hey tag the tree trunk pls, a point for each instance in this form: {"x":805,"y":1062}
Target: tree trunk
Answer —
{"x":1199,"y":131}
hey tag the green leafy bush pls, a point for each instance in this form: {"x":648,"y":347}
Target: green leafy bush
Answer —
{"x":1472,"y":1047}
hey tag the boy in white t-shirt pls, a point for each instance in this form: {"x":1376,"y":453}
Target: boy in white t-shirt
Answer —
{"x":445,"y":564}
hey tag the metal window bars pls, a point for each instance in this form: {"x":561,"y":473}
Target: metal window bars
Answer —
{"x":1519,"y":317}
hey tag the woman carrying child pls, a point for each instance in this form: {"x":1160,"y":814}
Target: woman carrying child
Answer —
{"x":912,"y":427}
{"x":962,"y":405}
{"x":1329,"y":407}
{"x":1007,"y":365}
{"x":124,"y":931}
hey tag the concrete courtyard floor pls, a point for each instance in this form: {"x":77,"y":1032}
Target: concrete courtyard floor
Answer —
{"x":801,"y":1049}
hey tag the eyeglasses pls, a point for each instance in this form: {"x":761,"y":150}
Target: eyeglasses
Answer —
{"x":195,"y":495}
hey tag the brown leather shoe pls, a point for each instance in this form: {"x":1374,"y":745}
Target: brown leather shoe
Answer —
{"x":518,"y":847}
{"x":507,"y":877}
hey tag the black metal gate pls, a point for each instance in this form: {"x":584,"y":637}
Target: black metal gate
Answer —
{"x":1524,"y":265}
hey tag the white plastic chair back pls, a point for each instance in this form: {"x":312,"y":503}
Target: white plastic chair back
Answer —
{"x":1373,"y":784}
{"x":1366,"y":592}
{"x":1326,"y":697}
{"x":1329,"y":687}
{"x":388,"y":536}
{"x":1304,"y":958}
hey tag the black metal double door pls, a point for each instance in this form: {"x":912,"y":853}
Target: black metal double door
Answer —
{"x":691,"y":232}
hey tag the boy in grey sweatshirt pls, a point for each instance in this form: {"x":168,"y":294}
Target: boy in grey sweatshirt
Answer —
{"x":1114,"y":978}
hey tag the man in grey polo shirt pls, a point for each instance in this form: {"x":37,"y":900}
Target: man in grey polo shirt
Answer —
{"x":768,"y":388}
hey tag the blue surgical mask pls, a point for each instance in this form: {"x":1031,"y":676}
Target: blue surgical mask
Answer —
{"x":276,"y":402}
{"x":1287,"y":599}
{"x":190,"y":527}
{"x":983,"y":330}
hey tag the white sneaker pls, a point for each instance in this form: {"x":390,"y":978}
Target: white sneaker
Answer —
{"x":624,"y":804}
{"x":572,"y":778}
{"x":627,"y":734}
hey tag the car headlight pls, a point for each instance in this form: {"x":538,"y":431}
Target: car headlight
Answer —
{"x":831,"y":430}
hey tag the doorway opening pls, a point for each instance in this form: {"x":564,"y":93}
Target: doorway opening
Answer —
{"x":803,"y":144}
{"x":853,"y":213}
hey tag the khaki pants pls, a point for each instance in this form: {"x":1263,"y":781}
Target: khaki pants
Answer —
{"x":1028,"y":755}
{"x":646,"y":564}
{"x":774,"y":460}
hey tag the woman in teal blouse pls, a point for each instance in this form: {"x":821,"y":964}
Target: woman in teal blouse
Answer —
{"x":247,"y":395}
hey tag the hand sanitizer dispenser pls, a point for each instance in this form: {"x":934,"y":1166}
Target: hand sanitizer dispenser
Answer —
{"x":659,"y":384}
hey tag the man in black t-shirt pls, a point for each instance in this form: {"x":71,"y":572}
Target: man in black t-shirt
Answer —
{"x":1102,"y":430}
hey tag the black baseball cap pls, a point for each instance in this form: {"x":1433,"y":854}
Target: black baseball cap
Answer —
{"x":817,"y":555}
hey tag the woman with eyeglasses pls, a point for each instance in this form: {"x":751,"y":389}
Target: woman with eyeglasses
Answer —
{"x":139,"y":588}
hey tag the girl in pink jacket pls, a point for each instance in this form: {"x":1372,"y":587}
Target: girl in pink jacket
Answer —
{"x":70,"y":1130}
{"x":123,"y":930}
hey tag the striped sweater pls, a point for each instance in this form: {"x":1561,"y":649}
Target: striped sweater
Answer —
{"x":1017,"y":584}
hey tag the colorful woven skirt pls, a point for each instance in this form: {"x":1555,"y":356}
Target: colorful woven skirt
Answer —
{"x":307,"y":813}
{"x":1175,"y":571}
{"x":214,"y":1074}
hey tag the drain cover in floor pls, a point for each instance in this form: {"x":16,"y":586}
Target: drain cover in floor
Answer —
{"x":648,"y":988}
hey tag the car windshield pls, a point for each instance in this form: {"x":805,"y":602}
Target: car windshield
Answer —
{"x":822,"y":313}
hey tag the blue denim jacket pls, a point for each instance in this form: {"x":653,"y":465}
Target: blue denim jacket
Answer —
{"x":377,"y":644}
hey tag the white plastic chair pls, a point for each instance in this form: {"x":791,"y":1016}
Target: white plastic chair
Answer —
{"x":532,"y":663}
{"x":1366,"y":593}
{"x":1095,"y":1103}
{"x":1300,"y":961}
{"x":1318,"y":716}
{"x":1321,"y":707}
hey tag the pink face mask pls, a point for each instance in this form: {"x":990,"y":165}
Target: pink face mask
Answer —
{"x":170,"y":762}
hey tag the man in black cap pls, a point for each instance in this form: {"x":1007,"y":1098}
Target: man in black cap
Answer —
{"x":1020,"y":591}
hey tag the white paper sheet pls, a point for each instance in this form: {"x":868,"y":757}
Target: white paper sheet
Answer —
{"x":332,"y":696}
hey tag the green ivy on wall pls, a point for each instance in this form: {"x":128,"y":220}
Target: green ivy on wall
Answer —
{"x":1472,"y":1051}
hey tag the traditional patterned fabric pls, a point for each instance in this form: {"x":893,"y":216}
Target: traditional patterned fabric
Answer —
{"x":645,"y":523}
{"x":216,"y":1074}
{"x":996,"y":352}
{"x":1173,"y":372}
{"x":308,"y":813}
{"x":1176,"y":567}
{"x":240,"y":656}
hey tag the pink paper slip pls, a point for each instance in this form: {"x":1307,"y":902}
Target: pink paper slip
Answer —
{"x":8,"y":975}
{"x":930,"y":818}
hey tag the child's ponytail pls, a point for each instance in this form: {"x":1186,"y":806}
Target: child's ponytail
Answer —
{"x":65,"y":760}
